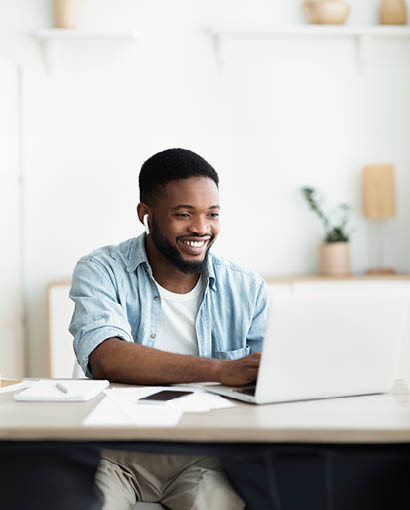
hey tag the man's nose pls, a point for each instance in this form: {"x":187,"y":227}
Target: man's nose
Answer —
{"x":200,"y":226}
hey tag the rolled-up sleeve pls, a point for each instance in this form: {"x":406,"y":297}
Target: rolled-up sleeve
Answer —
{"x":98,"y":315}
{"x":256,"y":332}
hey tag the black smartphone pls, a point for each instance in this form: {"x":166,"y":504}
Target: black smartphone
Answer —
{"x":163,"y":396}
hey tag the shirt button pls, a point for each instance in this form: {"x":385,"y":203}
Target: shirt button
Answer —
{"x":153,"y":335}
{"x":156,"y":298}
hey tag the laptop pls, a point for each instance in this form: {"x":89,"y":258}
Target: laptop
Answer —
{"x":327,"y":344}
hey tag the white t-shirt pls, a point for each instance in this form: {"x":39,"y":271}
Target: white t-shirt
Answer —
{"x":177,"y":332}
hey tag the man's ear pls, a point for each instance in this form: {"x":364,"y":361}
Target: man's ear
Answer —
{"x":144,"y":215}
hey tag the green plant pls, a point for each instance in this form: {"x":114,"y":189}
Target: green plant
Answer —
{"x":334,"y":222}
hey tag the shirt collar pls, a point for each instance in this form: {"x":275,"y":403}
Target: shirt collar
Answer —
{"x":138,"y":255}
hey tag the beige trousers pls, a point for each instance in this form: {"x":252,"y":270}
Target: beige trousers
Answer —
{"x":178,"y":482}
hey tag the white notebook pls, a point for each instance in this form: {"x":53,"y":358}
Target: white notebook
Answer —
{"x":65,"y":390}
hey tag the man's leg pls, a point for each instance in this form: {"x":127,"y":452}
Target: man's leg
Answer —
{"x":114,"y":482}
{"x":178,"y":482}
{"x":201,"y":485}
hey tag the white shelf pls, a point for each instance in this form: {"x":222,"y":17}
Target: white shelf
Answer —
{"x":74,"y":34}
{"x":316,"y":30}
{"x":48,"y":37}
{"x":360,"y":34}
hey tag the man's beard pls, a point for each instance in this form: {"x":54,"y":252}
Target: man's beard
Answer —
{"x":172,"y":254}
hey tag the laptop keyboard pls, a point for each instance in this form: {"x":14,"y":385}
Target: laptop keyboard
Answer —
{"x":247,"y":390}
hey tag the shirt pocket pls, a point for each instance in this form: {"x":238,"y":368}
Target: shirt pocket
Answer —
{"x":236,"y":354}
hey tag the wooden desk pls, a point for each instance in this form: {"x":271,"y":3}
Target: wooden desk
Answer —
{"x":305,"y":422}
{"x":286,"y":446}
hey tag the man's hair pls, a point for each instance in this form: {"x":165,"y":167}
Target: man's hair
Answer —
{"x":171,"y":165}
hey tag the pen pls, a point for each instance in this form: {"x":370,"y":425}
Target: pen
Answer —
{"x":61,"y":387}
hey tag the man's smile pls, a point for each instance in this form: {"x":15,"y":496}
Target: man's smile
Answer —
{"x":193,"y":246}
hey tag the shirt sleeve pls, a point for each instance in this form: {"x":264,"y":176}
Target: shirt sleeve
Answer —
{"x":256,"y":333}
{"x":98,"y":315}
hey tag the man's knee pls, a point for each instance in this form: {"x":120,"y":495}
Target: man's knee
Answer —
{"x":201,"y":488}
{"x":215,"y":491}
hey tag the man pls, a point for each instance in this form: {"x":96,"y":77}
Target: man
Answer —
{"x":161,"y":309}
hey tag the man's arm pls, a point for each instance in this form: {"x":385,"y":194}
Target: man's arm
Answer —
{"x":120,"y":361}
{"x":256,"y":333}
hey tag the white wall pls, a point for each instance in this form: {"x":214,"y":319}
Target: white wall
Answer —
{"x":281,"y":113}
{"x":11,"y":311}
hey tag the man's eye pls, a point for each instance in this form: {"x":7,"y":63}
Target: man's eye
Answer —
{"x":182,"y":215}
{"x":214,"y":215}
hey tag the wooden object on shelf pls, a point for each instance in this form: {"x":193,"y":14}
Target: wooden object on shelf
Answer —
{"x":66,"y":13}
{"x":326,"y":12}
{"x":393,"y":12}
{"x":381,"y":271}
{"x":334,"y":259}
{"x":379,"y":192}
{"x":379,"y":203}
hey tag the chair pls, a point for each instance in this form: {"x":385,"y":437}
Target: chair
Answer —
{"x":78,"y":371}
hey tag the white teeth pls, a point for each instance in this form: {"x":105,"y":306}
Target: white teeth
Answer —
{"x":194,"y":244}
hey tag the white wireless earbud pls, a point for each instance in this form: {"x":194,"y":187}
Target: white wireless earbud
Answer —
{"x":145,"y":220}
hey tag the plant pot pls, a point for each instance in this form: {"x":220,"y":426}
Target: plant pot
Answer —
{"x":326,"y":12}
{"x":334,"y":259}
{"x":393,"y":12}
{"x":66,"y":13}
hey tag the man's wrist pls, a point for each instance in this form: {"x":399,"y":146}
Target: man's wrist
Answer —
{"x":216,"y":370}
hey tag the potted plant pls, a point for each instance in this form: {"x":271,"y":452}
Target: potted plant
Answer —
{"x":334,"y":253}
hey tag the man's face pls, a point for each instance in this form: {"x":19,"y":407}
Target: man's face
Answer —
{"x":185,"y":222}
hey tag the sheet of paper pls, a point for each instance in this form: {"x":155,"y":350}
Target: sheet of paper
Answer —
{"x":110,"y":412}
{"x":199,"y":401}
{"x":121,"y":407}
{"x":123,"y":410}
{"x":107,"y":413}
{"x":147,"y":415}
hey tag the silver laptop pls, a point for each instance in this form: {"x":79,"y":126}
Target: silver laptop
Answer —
{"x":327,"y":344}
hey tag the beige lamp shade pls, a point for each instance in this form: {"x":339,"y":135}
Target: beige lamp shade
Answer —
{"x":379,"y":201}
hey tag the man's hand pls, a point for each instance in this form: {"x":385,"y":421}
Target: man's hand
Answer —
{"x":241,"y":371}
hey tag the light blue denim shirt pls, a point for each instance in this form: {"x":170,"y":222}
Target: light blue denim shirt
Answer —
{"x":115,"y":295}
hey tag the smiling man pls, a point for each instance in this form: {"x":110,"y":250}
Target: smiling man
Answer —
{"x":161,"y":309}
